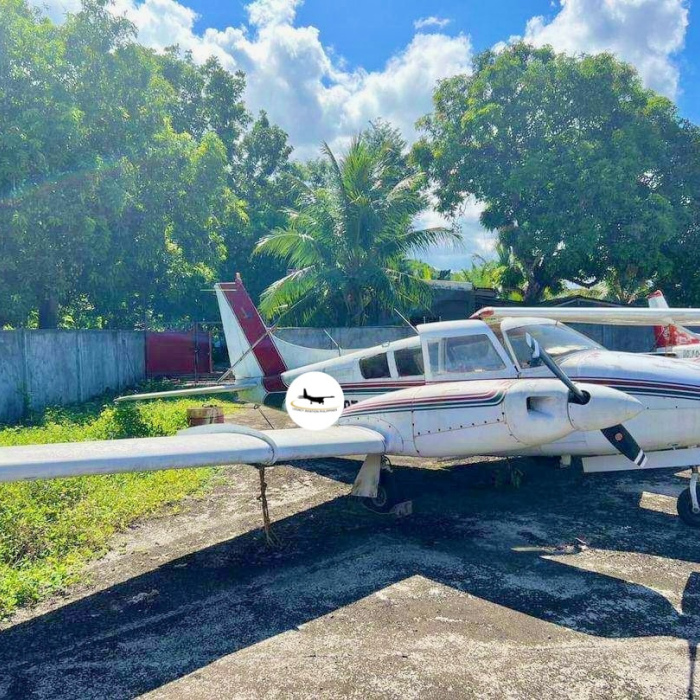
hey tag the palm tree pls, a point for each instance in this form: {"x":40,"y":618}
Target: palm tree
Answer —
{"x":348,"y":241}
{"x":504,"y":273}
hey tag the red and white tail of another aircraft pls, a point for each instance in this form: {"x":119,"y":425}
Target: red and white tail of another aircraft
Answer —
{"x":673,"y":339}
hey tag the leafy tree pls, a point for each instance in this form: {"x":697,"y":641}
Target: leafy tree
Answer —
{"x":681,"y":283}
{"x":126,"y":177}
{"x":55,"y":187}
{"x":168,"y":244}
{"x":208,"y":98}
{"x":423,"y":271}
{"x":348,"y":241}
{"x":575,"y":161}
{"x":262,"y":178}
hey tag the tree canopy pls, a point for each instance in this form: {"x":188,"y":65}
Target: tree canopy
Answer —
{"x":349,"y":239}
{"x":582,"y":171}
{"x":129,"y":180}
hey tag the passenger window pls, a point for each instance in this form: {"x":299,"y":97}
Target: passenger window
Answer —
{"x":462,"y":355}
{"x":409,"y":362}
{"x":375,"y":367}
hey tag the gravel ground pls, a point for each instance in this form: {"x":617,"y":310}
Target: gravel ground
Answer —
{"x":569,"y":586}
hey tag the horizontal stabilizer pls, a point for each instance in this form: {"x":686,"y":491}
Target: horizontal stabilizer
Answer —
{"x":194,"y":391}
{"x":230,"y":444}
{"x":617,"y":316}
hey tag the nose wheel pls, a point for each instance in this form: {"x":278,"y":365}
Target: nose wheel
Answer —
{"x":688,"y":505}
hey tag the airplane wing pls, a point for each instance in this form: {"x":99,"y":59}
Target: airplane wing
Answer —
{"x":618,"y":316}
{"x":210,"y":445}
{"x":194,"y":391}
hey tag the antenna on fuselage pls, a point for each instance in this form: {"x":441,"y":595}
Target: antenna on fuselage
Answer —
{"x":406,"y":320}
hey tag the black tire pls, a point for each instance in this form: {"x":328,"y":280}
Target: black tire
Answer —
{"x":684,"y":506}
{"x":387,"y":494}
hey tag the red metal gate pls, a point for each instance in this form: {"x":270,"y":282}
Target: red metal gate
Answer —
{"x":178,"y":353}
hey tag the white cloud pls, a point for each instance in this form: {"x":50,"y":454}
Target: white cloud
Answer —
{"x":271,"y":12}
{"x":432,"y":21}
{"x":315,"y":98}
{"x":476,"y":240}
{"x":304,"y":87}
{"x":645,"y":33}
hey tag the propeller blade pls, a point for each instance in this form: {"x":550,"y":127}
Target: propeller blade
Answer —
{"x":621,"y":439}
{"x":617,"y":435}
{"x":538,"y":353}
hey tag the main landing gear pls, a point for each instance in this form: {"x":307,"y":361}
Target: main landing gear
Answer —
{"x":389,"y":498}
{"x":688,"y":505}
{"x":387,"y":491}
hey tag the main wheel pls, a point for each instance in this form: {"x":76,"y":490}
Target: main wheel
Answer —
{"x":387,"y":493}
{"x":684,"y":506}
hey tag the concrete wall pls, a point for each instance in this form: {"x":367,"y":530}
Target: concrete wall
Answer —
{"x":625,"y":338}
{"x":43,"y":368}
{"x":11,"y":375}
{"x":345,"y":337}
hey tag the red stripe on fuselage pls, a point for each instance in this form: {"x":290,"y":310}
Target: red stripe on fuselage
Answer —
{"x":265,"y":352}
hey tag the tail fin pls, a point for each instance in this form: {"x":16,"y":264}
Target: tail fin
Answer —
{"x":251,"y":348}
{"x":672,"y":335}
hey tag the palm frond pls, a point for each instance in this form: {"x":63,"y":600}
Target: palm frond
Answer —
{"x":350,"y":239}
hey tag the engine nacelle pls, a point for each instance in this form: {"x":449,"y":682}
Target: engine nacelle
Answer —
{"x":540,"y":410}
{"x":606,"y":407}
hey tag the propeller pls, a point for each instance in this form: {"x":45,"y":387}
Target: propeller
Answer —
{"x":617,"y":435}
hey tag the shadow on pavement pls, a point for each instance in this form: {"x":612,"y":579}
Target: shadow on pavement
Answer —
{"x":160,"y":626}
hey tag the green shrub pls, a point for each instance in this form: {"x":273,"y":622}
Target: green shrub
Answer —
{"x":49,"y":529}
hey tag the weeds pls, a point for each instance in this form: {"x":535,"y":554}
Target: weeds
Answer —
{"x":49,"y":529}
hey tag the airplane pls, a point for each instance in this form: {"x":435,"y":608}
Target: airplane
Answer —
{"x":673,"y":340}
{"x":264,"y":365}
{"x":516,"y":385}
{"x":315,"y":399}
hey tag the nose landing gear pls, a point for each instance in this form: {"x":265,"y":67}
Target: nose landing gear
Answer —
{"x":688,"y":506}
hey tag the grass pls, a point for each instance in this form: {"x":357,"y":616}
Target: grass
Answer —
{"x":50,"y":529}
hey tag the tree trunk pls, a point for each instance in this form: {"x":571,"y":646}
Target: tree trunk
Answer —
{"x":48,"y":311}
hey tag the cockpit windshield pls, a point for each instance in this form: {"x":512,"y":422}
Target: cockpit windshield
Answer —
{"x":556,"y":339}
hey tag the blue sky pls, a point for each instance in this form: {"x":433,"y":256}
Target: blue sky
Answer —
{"x":366,"y":33}
{"x":323,"y":69}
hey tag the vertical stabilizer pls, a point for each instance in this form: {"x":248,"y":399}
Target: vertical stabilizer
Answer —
{"x":671,"y":336}
{"x":251,"y":348}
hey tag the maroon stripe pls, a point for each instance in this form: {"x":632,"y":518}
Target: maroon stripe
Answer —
{"x":265,"y":352}
{"x":274,"y":383}
{"x":381,"y":385}
{"x":639,"y":383}
{"x":433,"y":400}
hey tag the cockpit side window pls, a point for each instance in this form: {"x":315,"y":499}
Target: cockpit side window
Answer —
{"x":375,"y":367}
{"x":409,"y":362}
{"x":464,"y":355}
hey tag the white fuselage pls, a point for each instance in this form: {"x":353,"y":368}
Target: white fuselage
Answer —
{"x":476,"y":417}
{"x":465,"y":388}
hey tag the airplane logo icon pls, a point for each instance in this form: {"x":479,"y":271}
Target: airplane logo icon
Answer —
{"x":315,"y":399}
